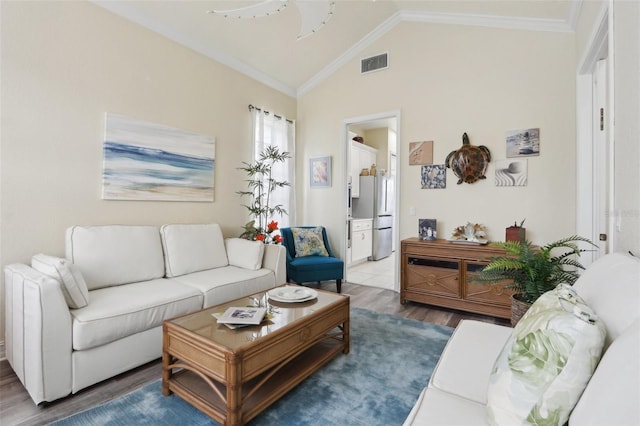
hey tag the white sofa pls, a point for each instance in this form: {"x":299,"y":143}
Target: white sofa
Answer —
{"x":457,"y":393}
{"x":136,"y":277}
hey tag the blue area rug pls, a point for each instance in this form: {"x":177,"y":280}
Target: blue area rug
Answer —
{"x":377,"y":383}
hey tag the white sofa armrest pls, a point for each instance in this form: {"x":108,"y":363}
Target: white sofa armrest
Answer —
{"x":37,"y":332}
{"x":275,"y":259}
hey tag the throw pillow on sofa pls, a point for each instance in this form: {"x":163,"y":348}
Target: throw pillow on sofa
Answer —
{"x":547,"y":362}
{"x":74,"y":288}
{"x":244,"y":253}
{"x":309,"y":242}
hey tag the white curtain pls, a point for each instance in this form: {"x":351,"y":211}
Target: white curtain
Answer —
{"x":269,"y":129}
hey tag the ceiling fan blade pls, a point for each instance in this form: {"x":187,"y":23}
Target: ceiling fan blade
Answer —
{"x":265,"y":8}
{"x":314,"y":14}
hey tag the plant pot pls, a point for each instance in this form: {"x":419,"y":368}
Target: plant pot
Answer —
{"x":518,"y":308}
{"x":515,"y":233}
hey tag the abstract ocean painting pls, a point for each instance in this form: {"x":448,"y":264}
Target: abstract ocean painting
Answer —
{"x":146,"y":161}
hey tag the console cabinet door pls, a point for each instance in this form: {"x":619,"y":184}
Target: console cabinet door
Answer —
{"x":441,"y":277}
{"x":484,"y":293}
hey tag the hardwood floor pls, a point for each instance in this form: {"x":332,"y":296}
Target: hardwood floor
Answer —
{"x":16,"y":407}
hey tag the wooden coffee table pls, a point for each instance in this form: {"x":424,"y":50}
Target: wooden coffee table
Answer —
{"x":232,"y":375}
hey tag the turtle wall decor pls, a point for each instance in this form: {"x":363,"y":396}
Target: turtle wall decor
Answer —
{"x":470,"y":162}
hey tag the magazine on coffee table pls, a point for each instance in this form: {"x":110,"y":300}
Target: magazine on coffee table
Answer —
{"x":242,"y":315}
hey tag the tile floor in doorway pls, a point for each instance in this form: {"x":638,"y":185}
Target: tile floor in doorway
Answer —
{"x":374,"y":274}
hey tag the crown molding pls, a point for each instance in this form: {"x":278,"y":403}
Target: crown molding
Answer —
{"x":352,"y":52}
{"x":514,"y":23}
{"x":126,"y":10}
{"x":489,"y":21}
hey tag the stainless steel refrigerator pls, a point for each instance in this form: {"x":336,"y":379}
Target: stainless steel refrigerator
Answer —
{"x":377,"y":201}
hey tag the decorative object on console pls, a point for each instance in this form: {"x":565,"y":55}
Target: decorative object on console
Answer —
{"x":420,"y":153}
{"x":511,"y":172}
{"x":320,"y":172}
{"x":531,"y":270}
{"x":433,"y":177}
{"x":516,"y":232}
{"x":261,"y":184}
{"x":523,"y":143}
{"x":427,"y":229}
{"x":469,"y":163}
{"x":151,"y":162}
{"x":470,"y":233}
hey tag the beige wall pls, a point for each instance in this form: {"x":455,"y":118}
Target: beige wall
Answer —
{"x":447,"y":80}
{"x":64,"y":64}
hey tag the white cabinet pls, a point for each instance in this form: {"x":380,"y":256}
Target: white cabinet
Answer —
{"x":362,"y":157}
{"x":361,"y":239}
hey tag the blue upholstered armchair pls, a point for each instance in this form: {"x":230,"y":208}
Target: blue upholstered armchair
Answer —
{"x":307,"y":268}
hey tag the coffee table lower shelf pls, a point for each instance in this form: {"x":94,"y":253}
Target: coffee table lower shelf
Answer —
{"x":194,"y":389}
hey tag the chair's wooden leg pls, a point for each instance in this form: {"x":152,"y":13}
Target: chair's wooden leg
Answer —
{"x":339,"y":286}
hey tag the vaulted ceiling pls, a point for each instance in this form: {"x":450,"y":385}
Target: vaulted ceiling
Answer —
{"x":267,"y":48}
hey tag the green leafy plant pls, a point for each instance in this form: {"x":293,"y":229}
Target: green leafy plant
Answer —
{"x":261,"y":184}
{"x":533,"y":270}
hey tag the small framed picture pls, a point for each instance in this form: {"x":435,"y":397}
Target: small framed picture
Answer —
{"x":433,"y":176}
{"x":511,"y":172}
{"x":320,"y":172}
{"x":427,"y":229}
{"x":420,"y":153}
{"x":523,"y":143}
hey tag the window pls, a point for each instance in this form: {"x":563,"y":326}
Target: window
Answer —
{"x":270,"y":129}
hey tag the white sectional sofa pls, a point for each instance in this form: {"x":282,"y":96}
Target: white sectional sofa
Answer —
{"x":460,"y":389}
{"x":74,"y":322}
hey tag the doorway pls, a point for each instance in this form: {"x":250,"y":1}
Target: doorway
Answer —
{"x":595,"y":119}
{"x":372,"y":182}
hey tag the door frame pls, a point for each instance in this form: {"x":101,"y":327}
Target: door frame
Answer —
{"x":346,"y":148}
{"x":588,"y":208}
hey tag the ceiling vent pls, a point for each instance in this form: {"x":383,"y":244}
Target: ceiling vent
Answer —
{"x":374,"y":63}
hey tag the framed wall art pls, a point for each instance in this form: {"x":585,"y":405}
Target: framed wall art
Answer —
{"x":433,"y":176}
{"x":151,"y":162}
{"x":320,"y":172}
{"x":420,"y":153}
{"x":511,"y":172}
{"x":523,"y":143}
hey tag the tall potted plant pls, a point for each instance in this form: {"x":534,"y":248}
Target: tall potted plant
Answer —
{"x":261,"y":184}
{"x":532,"y":271}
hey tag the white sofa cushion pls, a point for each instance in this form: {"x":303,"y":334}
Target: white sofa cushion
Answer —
{"x":457,"y":371}
{"x":120,"y":311}
{"x":73,"y":286}
{"x":221,"y":285}
{"x":610,"y":287}
{"x":244,"y":253}
{"x":546,"y":364}
{"x":438,"y":408}
{"x":612,"y":396}
{"x":115,"y":254}
{"x":192,"y":247}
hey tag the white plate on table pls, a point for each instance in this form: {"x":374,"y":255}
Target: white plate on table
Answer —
{"x":292,"y":294}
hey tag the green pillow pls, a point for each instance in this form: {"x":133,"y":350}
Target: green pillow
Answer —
{"x":547,"y":362}
{"x":309,"y":242}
